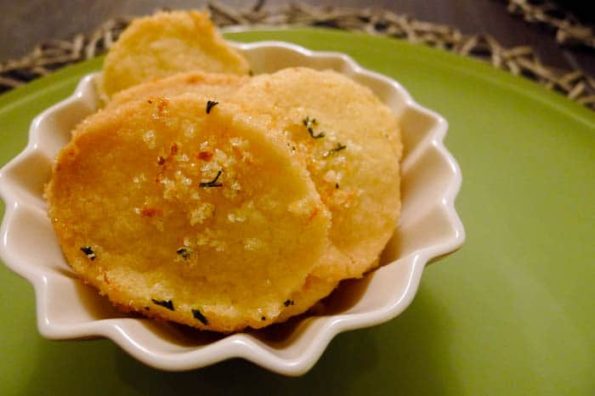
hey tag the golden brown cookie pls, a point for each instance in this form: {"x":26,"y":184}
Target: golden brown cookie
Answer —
{"x":351,"y":144}
{"x":189,"y":211}
{"x":165,"y":44}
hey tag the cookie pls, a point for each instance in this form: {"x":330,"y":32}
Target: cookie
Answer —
{"x":189,"y":211}
{"x":350,"y":143}
{"x":165,"y":44}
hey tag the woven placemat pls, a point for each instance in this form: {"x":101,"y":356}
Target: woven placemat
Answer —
{"x":568,"y":29}
{"x":520,"y":60}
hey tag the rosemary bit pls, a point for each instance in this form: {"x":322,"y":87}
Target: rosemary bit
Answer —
{"x":338,"y":147}
{"x":184,"y":252}
{"x":169,"y":304}
{"x":288,"y":302}
{"x":199,"y":316}
{"x":310,"y":123}
{"x":210,"y":105}
{"x":89,"y":252}
{"x":212,"y":183}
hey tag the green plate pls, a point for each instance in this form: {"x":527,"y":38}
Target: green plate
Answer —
{"x":512,"y":313}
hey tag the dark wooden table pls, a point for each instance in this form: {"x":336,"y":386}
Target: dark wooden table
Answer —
{"x":27,"y":23}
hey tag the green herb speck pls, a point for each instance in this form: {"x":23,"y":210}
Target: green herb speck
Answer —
{"x":288,"y":302}
{"x":169,"y":304}
{"x":184,"y":252}
{"x":210,"y":105}
{"x":199,"y":316}
{"x":89,"y":252}
{"x":310,"y":123}
{"x":338,"y":147}
{"x":212,"y":183}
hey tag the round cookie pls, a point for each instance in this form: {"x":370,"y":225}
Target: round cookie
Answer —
{"x":213,"y":86}
{"x":189,"y":212}
{"x":168,"y":43}
{"x":351,"y":144}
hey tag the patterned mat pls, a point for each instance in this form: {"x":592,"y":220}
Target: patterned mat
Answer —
{"x":520,"y":60}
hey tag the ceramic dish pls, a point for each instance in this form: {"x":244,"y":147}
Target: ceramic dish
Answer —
{"x":66,"y":309}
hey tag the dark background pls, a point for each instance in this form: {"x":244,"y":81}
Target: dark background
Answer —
{"x":27,"y":23}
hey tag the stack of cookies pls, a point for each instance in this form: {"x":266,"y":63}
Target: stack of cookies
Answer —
{"x":212,"y":198}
